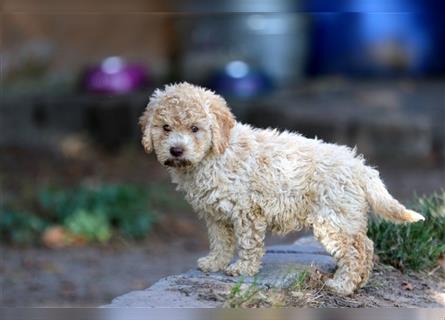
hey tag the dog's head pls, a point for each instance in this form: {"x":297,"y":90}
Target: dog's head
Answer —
{"x":184,"y":123}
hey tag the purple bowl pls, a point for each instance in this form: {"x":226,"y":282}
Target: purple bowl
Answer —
{"x":114,"y":76}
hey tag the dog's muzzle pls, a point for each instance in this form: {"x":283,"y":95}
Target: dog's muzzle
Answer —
{"x":177,"y":163}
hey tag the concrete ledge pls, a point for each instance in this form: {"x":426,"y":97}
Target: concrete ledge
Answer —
{"x":194,"y":289}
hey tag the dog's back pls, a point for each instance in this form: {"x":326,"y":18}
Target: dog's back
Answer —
{"x":291,"y":176}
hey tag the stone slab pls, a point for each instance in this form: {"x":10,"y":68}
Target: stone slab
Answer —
{"x":195,"y":289}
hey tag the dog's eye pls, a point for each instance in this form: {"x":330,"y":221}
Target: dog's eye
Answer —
{"x":166,"y":128}
{"x":194,"y":129}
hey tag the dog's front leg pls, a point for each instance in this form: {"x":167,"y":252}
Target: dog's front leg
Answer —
{"x":250,"y":231}
{"x":222,"y":246}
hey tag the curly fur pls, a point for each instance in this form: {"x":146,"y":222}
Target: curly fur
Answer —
{"x":244,"y":181}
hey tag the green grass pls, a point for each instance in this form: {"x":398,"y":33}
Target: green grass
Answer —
{"x":415,"y":246}
{"x":239,"y":296}
{"x":301,"y":280}
{"x":242,"y":295}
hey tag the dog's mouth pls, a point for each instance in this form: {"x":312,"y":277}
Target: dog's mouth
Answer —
{"x":177,"y":163}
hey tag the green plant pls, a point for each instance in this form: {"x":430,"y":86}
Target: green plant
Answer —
{"x":21,"y":228}
{"x":236,"y":289}
{"x":415,"y":246}
{"x":251,"y":296}
{"x":91,"y":225}
{"x":301,"y":280}
{"x":239,"y":295}
{"x":92,"y":212}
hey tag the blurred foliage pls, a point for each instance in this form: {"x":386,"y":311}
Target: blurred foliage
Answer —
{"x":124,"y":207}
{"x":20,"y":227}
{"x":94,"y":213}
{"x":415,"y":246}
{"x":92,"y":225}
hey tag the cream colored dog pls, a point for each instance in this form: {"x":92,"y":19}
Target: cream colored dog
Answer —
{"x":243,"y":181}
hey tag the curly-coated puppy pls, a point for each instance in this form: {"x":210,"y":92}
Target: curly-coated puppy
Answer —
{"x":243,"y":181}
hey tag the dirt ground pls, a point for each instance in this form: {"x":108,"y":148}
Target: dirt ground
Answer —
{"x":387,"y":287}
{"x":88,"y":276}
{"x":93,"y":275}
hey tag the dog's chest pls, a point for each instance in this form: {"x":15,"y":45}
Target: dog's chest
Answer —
{"x":207,"y":195}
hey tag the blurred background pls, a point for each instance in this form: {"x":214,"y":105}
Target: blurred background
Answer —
{"x":85,"y":215}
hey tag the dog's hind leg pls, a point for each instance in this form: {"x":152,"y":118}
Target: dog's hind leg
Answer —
{"x":369,"y":251}
{"x":250,"y":231}
{"x":222,"y":246}
{"x":354,"y":259}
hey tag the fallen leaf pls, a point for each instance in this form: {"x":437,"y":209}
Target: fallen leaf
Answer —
{"x":56,"y":237}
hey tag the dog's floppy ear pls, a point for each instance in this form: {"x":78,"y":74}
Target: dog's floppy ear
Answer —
{"x":222,"y":124}
{"x":145,"y":124}
{"x":145,"y":121}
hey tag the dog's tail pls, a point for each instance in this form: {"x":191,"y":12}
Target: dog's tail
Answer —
{"x":382,"y":203}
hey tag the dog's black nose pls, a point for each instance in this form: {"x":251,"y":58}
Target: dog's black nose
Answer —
{"x":176,"y":151}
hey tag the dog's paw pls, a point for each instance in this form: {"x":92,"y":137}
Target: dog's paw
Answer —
{"x":245,"y":268}
{"x":339,"y":287}
{"x":210,"y":264}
